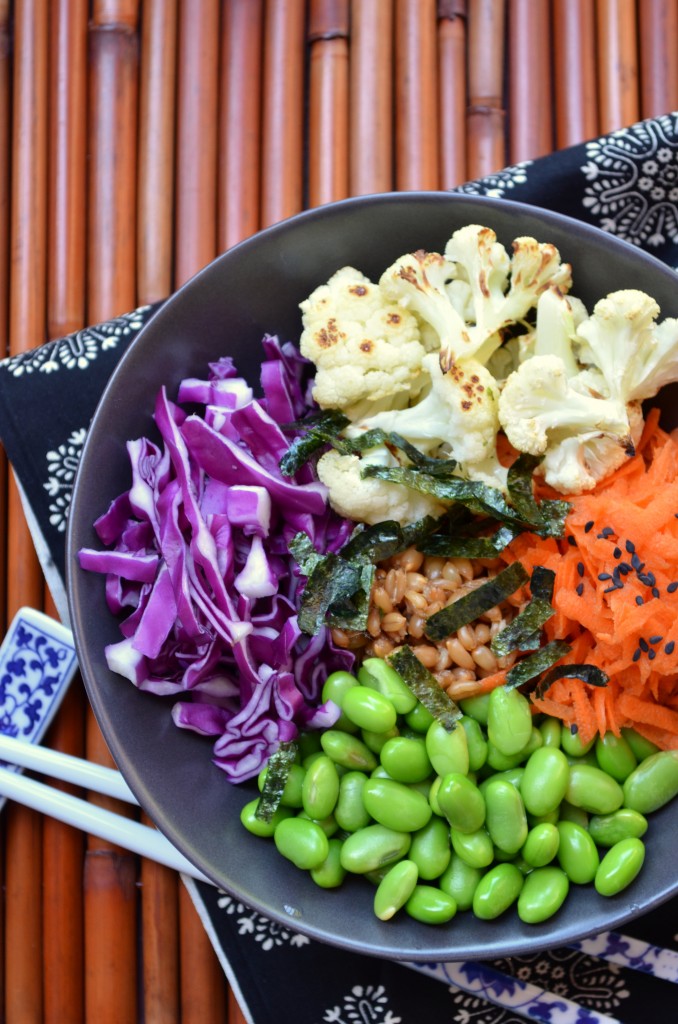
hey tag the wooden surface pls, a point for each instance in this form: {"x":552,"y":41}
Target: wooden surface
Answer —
{"x":138,"y":139}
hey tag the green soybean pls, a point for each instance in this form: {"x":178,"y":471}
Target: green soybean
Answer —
{"x":461,"y":802}
{"x":419,"y":719}
{"x":496,"y":891}
{"x":593,"y":789}
{"x":541,"y":845}
{"x":503,"y":762}
{"x":653,"y":783}
{"x":373,"y":847}
{"x":571,"y":742}
{"x":641,"y":747}
{"x":447,"y":751}
{"x":430,"y":905}
{"x":396,"y":805}
{"x":320,"y":788}
{"x":460,"y":881}
{"x":545,"y":779}
{"x":568,"y":812}
{"x":608,"y":829}
{"x":405,"y":759}
{"x":330,"y":874}
{"x":350,"y":812}
{"x":337,"y":685}
{"x":509,"y":720}
{"x":543,"y":894}
{"x":369,"y":709}
{"x":376,"y":740}
{"x":433,"y":796}
{"x":302,"y":841}
{"x":505,"y":820}
{"x":328,"y":824}
{"x":475,"y":741}
{"x":550,"y":732}
{"x":395,"y":889}
{"x":615,"y":756}
{"x":259,"y":827}
{"x":348,"y":750}
{"x":475,"y":848}
{"x":577,"y":853}
{"x":377,"y":673}
{"x":291,"y":794}
{"x":476,"y":707}
{"x":430,"y":849}
{"x":619,"y":866}
{"x":512,"y":775}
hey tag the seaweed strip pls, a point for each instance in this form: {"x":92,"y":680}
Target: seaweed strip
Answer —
{"x":464,"y":546}
{"x":332,"y":581}
{"x":277,"y":774}
{"x":467,"y":608}
{"x":323,"y":430}
{"x":425,"y":687}
{"x":524,"y":633}
{"x":532,"y":666}
{"x":590,"y":674}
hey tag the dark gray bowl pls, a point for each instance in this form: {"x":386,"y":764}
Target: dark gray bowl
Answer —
{"x":252,"y":289}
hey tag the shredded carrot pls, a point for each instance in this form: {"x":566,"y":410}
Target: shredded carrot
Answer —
{"x":616,"y":596}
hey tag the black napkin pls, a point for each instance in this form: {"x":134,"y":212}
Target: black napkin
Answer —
{"x":625,"y":183}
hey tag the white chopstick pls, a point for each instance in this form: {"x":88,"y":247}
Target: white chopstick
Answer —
{"x":98,"y":821}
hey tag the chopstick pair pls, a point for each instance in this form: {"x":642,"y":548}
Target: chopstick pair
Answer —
{"x":98,"y":821}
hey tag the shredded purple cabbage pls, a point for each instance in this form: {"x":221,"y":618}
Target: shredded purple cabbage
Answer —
{"x":197,"y":562}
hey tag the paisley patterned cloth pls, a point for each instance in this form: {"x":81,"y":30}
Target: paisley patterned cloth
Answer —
{"x":625,"y":183}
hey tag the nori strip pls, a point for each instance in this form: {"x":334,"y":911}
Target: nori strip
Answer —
{"x":464,"y":546}
{"x":374,"y":542}
{"x":301,"y":548}
{"x":536,"y":663}
{"x":332,"y":581}
{"x":425,"y":687}
{"x":590,"y":674}
{"x":466,"y":609}
{"x":523,"y":634}
{"x":547,"y":517}
{"x":324,"y":428}
{"x":277,"y":774}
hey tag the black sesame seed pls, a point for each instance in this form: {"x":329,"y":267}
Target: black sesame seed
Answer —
{"x":635,"y":562}
{"x":572,"y":541}
{"x":655,"y":591}
{"x":580,"y":589}
{"x":672,"y":587}
{"x":630,"y":547}
{"x":655,"y":639}
{"x":617,"y":552}
{"x":615,"y":586}
{"x":642,"y":643}
{"x":602,"y":576}
{"x":580,"y":568}
{"x":651,"y":655}
{"x":589,"y":526}
{"x":574,"y":728}
{"x":646,"y":579}
{"x":624,"y":568}
{"x":639,"y":599}
{"x":669,"y":647}
{"x":636,"y":654}
{"x":652,"y":578}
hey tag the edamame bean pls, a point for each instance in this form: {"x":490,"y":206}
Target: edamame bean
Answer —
{"x":577,"y":853}
{"x":330,"y":874}
{"x":460,"y":881}
{"x":405,"y":759}
{"x":259,"y":827}
{"x":653,"y":783}
{"x":430,"y":849}
{"x":543,"y":894}
{"x":308,"y":743}
{"x":505,"y":819}
{"x":512,"y":775}
{"x":348,"y":750}
{"x":447,"y":751}
{"x":608,"y":829}
{"x":496,"y":891}
{"x":376,"y":740}
{"x":430,"y":905}
{"x":395,"y":889}
{"x":594,"y":790}
{"x":396,"y":805}
{"x":328,"y":824}
{"x":541,"y":845}
{"x":369,"y":709}
{"x":619,"y":866}
{"x":350,"y":812}
{"x":567,"y":812}
{"x":509,"y":720}
{"x":502,"y":762}
{"x":615,"y":756}
{"x":476,"y":707}
{"x":545,"y":779}
{"x":475,"y":848}
{"x":419,"y":719}
{"x":461,"y":802}
{"x":378,"y":674}
{"x":571,"y":742}
{"x":641,"y":747}
{"x":433,"y":796}
{"x":372,"y":848}
{"x":291,"y":794}
{"x":475,"y":741}
{"x":337,"y":685}
{"x":320,"y":788}
{"x":550,"y":732}
{"x":302,"y":841}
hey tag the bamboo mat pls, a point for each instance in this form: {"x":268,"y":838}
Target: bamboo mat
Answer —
{"x":137,"y":141}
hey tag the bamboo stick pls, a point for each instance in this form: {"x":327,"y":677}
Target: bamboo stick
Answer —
{"x":283,"y":110}
{"x":416,"y":95}
{"x":452,"y":91}
{"x":617,"y":61}
{"x":486,"y":151}
{"x":160,"y":943}
{"x":23,"y":850}
{"x":157,"y":108}
{"x":235,"y":1014}
{"x":239,"y":174}
{"x":371,"y":97}
{"x":204,"y":990}
{"x":328,"y":101}
{"x":530,"y":93}
{"x":197,"y":122}
{"x":658,"y":39}
{"x":5,"y":159}
{"x":574,"y":71}
{"x":110,"y":874}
